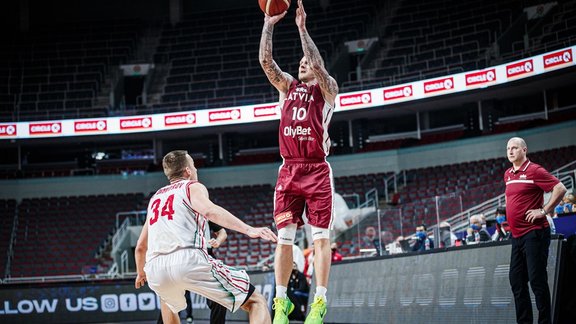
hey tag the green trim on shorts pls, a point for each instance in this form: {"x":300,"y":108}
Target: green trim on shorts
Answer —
{"x":214,"y":275}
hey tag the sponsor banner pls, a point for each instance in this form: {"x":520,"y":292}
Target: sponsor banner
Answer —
{"x":555,"y":59}
{"x":266,"y":111}
{"x":439,"y":85}
{"x":114,"y":301}
{"x":519,"y":69}
{"x":373,"y":98}
{"x":54,"y":128}
{"x":431,"y":287}
{"x":397,"y":93}
{"x":361,"y":98}
{"x":8,"y":130}
{"x":180,"y":119}
{"x":100,"y":125}
{"x":224,"y":115}
{"x":135,"y":123}
{"x":480,"y":78}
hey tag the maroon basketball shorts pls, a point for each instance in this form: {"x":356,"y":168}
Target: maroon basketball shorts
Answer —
{"x":304,"y":185}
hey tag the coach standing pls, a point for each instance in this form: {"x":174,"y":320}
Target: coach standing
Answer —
{"x":526,"y":183}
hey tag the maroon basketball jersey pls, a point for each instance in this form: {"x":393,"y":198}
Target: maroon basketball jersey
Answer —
{"x":304,"y":120}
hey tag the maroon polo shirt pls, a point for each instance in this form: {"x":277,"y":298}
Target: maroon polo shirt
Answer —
{"x":525,"y":190}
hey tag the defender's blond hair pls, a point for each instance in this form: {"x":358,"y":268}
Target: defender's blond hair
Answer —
{"x":174,"y":163}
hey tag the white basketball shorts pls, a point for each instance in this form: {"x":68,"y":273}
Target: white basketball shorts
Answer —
{"x":170,"y":275}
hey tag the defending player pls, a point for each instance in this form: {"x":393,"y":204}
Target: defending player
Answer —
{"x":305,"y":177}
{"x":171,"y":250}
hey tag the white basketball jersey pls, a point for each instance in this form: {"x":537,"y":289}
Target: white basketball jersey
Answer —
{"x":173,"y":223}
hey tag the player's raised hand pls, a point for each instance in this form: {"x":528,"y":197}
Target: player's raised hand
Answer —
{"x":300,"y":15}
{"x":274,"y":19}
{"x":263,"y":233}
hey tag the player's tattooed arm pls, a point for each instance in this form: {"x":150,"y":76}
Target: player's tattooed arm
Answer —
{"x":325,"y":81}
{"x":280,"y":80}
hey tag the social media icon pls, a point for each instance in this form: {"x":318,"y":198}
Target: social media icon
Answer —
{"x":109,"y":303}
{"x":128,"y":303}
{"x":146,"y":301}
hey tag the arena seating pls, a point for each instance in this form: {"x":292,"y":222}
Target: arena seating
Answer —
{"x":58,"y":72}
{"x":556,"y":30}
{"x":435,"y":38}
{"x":213,"y":66}
{"x":475,"y":182}
{"x":59,"y":236}
{"x":7,"y":213}
{"x":254,"y":205}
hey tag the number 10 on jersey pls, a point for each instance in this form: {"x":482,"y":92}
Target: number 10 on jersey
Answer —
{"x":299,"y":113}
{"x":167,"y":209}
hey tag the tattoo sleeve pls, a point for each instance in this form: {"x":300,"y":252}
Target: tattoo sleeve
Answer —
{"x":270,"y":67}
{"x":326,"y":82}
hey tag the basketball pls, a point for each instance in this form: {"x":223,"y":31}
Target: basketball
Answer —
{"x":274,"y":7}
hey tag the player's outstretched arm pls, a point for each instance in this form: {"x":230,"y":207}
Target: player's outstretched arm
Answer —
{"x":279,"y":79}
{"x":200,"y":202}
{"x":327,"y":83}
{"x":140,"y":256}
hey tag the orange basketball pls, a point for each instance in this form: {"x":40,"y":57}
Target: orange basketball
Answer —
{"x":274,"y":7}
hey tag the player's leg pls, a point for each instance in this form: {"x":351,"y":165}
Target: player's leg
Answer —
{"x":169,"y":317}
{"x":283,"y":257}
{"x":257,"y":308}
{"x":319,"y":191}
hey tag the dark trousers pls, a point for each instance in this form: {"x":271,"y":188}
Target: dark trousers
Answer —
{"x":528,"y":262}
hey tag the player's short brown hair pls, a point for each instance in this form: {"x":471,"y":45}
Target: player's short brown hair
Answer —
{"x":174,"y":163}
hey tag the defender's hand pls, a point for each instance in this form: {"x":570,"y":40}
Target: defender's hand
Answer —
{"x":263,"y":233}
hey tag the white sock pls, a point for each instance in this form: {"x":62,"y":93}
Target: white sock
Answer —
{"x":321,"y":292}
{"x":281,"y":292}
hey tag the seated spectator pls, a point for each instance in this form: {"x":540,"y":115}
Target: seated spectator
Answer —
{"x":369,"y":237}
{"x":502,"y":231}
{"x":447,"y":237}
{"x":568,"y":203}
{"x":422,"y":241}
{"x":559,"y":209}
{"x":477,"y":233}
{"x":336,"y":257}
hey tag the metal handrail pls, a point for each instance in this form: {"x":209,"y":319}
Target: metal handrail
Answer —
{"x":460,"y":220}
{"x":124,"y":262}
{"x":120,"y":233}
